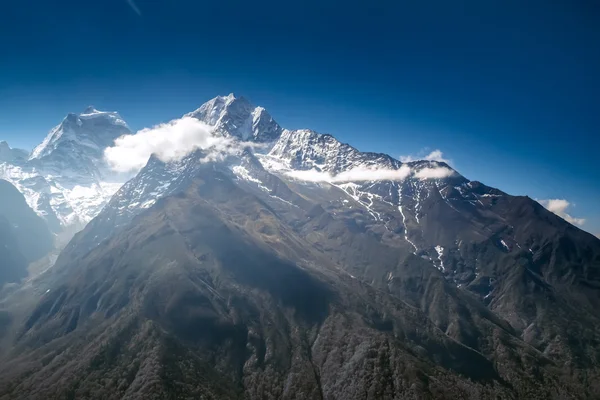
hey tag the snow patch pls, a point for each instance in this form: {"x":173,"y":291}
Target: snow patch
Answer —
{"x":440,"y":251}
{"x":404,"y":219}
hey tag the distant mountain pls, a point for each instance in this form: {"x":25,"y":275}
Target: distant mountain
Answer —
{"x":8,"y":154}
{"x":75,"y":148}
{"x":65,"y":179}
{"x":24,"y":236}
{"x":310,"y":270}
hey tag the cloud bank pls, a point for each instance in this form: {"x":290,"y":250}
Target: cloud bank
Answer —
{"x":365,"y":174}
{"x":559,"y":207}
{"x":435,"y":155}
{"x":169,"y":142}
{"x":360,"y":174}
{"x":434,"y":173}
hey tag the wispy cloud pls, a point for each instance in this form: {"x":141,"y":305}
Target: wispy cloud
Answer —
{"x":435,"y":155}
{"x":360,"y":174}
{"x":134,"y":7}
{"x":364,"y":174}
{"x":169,"y":142}
{"x":434,"y":173}
{"x":559,"y":207}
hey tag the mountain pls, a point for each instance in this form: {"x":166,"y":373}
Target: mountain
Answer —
{"x":75,"y":148}
{"x":65,"y":179}
{"x":8,"y":154}
{"x":209,"y":293}
{"x":235,"y":116}
{"x":310,"y":270}
{"x":24,"y":236}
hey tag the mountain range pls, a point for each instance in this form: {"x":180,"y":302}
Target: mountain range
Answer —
{"x":296,"y":267}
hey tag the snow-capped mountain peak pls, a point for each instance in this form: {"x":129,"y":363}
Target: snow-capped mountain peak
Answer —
{"x":90,"y":130}
{"x":66,"y":179}
{"x":236,"y":116}
{"x":111,"y":116}
{"x":77,"y":144}
{"x":305,"y":149}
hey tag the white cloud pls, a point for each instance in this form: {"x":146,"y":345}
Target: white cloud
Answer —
{"x":365,"y":174}
{"x":559,"y":207}
{"x":434,"y":173}
{"x":435,"y":155}
{"x":171,"y":141}
{"x":360,"y":174}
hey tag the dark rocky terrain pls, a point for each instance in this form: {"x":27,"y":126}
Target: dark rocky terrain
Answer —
{"x":13,"y":264}
{"x":24,"y":236}
{"x":239,"y":280}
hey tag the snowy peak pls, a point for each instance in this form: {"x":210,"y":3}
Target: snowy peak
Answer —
{"x":305,"y":149}
{"x":236,"y":116}
{"x":308,"y":150}
{"x":66,"y":179}
{"x":90,"y":131}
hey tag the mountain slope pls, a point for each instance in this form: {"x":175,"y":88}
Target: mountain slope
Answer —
{"x":208,"y":292}
{"x":527,"y":265}
{"x":24,"y":236}
{"x":30,"y":232}
{"x":13,"y":265}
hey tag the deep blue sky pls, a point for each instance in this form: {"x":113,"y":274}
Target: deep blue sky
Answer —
{"x":509,"y":90}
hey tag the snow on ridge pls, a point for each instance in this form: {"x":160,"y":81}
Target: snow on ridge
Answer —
{"x":70,"y":203}
{"x":114,"y":116}
{"x":440,"y":251}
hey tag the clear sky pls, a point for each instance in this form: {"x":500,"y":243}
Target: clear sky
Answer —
{"x":508,"y":90}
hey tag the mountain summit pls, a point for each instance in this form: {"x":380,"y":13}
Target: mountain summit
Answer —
{"x":237,"y":117}
{"x":78,"y":142}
